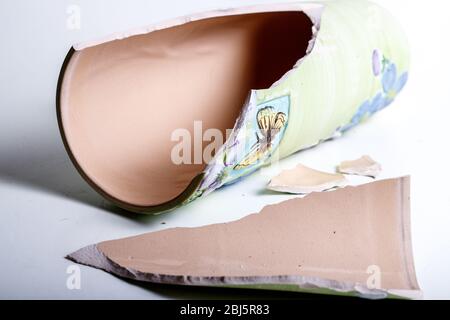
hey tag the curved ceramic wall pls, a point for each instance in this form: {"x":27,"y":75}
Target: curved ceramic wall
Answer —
{"x":356,"y":63}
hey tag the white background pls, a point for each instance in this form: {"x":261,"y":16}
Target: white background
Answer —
{"x":48,"y":211}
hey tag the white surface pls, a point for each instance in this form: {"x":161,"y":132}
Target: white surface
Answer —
{"x":47,"y":210}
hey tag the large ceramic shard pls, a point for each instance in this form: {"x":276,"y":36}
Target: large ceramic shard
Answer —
{"x":353,"y":241}
{"x":138,"y":109}
{"x":304,"y":180}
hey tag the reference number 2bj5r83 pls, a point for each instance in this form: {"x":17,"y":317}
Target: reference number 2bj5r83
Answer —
{"x":236,"y":310}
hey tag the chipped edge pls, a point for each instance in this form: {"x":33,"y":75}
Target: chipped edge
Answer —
{"x":92,"y":256}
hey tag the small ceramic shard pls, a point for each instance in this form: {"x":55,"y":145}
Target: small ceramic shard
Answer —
{"x":304,"y":180}
{"x":364,"y":166}
{"x":329,"y":242}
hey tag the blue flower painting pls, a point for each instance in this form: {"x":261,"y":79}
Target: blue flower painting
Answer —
{"x":391,"y":85}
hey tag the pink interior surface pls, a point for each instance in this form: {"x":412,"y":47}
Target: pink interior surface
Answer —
{"x":122,"y":100}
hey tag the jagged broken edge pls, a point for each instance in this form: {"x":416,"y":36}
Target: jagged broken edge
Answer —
{"x":93,"y":257}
